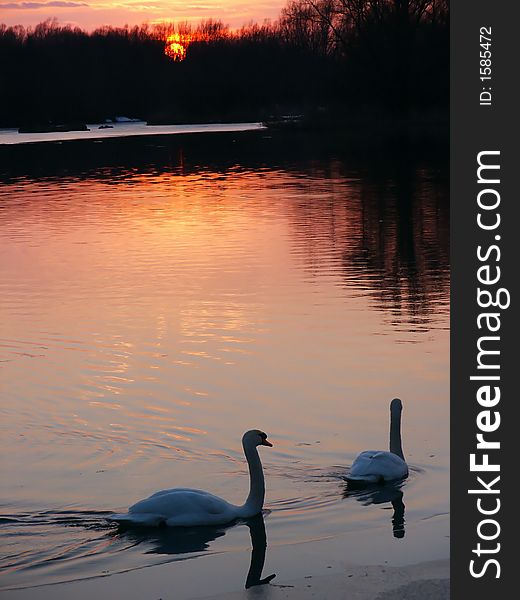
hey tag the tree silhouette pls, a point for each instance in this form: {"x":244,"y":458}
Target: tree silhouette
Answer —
{"x":333,"y":55}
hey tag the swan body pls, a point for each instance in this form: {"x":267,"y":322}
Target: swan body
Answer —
{"x":375,"y":466}
{"x":185,"y":507}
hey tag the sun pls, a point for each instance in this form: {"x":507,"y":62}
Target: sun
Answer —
{"x":176,"y":46}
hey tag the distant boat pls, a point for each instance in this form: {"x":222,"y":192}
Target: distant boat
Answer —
{"x":285,"y":122}
{"x":126,"y":120}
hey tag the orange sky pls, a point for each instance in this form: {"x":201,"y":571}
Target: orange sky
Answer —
{"x":92,"y":13}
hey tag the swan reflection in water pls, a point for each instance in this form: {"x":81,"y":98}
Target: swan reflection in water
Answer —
{"x":189,"y":540}
{"x":381,"y":494}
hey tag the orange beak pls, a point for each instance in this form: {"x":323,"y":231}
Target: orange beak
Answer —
{"x":267,"y":443}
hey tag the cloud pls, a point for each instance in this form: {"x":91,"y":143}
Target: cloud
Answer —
{"x":36,"y":5}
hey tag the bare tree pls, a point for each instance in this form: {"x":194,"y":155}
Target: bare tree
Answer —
{"x":310,"y":25}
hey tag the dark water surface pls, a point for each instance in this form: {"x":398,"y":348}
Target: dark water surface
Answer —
{"x":159,"y":297}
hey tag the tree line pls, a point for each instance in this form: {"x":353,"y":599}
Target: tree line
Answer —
{"x":318,"y":57}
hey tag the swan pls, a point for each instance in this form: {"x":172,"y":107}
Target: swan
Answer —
{"x":184,"y":507}
{"x":375,"y":466}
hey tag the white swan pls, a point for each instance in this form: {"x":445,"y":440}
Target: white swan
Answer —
{"x":374,"y":466}
{"x":183,"y":507}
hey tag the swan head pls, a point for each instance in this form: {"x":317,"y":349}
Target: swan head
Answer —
{"x":396,"y":405}
{"x":256,"y":438}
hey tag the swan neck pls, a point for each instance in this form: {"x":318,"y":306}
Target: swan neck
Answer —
{"x":395,"y":433}
{"x":255,"y":499}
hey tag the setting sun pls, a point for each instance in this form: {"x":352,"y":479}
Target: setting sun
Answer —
{"x":176,"y":44}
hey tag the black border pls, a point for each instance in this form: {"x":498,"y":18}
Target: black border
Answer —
{"x":475,"y":128}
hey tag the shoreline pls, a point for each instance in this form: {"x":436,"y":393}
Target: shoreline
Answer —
{"x":11,"y":137}
{"x":422,"y":581}
{"x":367,"y":564}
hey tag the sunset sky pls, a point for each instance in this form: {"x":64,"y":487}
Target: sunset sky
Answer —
{"x":93,"y":13}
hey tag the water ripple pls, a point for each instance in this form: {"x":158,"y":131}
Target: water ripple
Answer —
{"x":153,"y":310}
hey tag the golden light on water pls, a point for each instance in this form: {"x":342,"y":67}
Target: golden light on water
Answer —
{"x":190,"y":282}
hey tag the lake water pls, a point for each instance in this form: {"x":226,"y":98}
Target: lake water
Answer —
{"x":158,"y":299}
